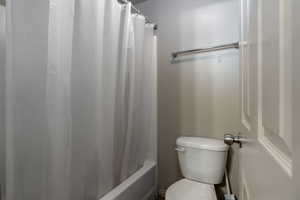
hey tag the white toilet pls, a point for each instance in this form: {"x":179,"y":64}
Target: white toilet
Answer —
{"x":202,"y":162}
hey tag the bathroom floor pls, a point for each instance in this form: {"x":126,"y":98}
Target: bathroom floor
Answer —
{"x":161,"y":197}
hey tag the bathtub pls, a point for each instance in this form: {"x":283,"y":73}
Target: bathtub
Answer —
{"x":140,"y":186}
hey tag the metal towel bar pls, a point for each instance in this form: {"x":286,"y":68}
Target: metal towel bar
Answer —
{"x":235,"y":45}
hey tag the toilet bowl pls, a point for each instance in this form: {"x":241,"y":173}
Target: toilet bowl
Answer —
{"x":191,"y":190}
{"x":202,"y":163}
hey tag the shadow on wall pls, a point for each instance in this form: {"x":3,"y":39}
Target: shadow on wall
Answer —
{"x":3,"y":2}
{"x":196,"y":94}
{"x":185,"y":94}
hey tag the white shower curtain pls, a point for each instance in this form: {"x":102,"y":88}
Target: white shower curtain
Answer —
{"x":80,"y":97}
{"x":111,"y":51}
{"x":132,"y":154}
{"x":148,"y":107}
{"x":58,"y":113}
{"x":123,"y":90}
{"x":86,"y":100}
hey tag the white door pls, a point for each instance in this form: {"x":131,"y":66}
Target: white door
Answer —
{"x":295,"y":5}
{"x":267,"y":157}
{"x":2,"y":93}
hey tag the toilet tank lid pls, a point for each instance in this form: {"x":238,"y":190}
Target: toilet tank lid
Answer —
{"x":202,"y":143}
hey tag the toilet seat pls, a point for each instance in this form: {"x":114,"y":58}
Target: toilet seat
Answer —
{"x":191,"y":190}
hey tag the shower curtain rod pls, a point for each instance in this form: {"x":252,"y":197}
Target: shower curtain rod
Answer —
{"x":235,"y":45}
{"x":140,"y":13}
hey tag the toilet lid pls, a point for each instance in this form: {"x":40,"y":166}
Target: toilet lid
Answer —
{"x":190,"y":190}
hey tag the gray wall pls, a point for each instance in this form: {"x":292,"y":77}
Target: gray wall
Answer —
{"x":2,"y":93}
{"x":197,"y":96}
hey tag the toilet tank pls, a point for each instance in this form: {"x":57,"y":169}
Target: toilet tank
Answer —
{"x":202,"y":159}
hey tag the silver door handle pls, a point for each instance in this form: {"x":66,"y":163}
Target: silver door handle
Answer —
{"x":230,"y":139}
{"x":180,"y":149}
